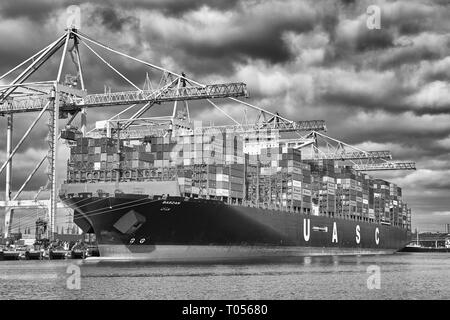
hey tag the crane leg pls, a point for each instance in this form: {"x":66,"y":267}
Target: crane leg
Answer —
{"x":8,"y":211}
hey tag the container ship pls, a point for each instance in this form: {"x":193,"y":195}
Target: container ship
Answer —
{"x":217,"y":195}
{"x":186,"y":192}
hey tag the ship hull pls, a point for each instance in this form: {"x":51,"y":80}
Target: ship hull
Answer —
{"x":176,"y":229}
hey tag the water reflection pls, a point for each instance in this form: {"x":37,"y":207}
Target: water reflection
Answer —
{"x":410,"y":276}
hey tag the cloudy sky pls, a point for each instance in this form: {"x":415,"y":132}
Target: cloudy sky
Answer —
{"x":380,"y":89}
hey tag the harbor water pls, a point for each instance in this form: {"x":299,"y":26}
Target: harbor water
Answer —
{"x":398,"y":276}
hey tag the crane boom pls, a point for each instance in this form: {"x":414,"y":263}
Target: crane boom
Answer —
{"x":28,"y":104}
{"x":385,"y":166}
{"x":171,"y":94}
{"x":142,"y":130}
{"x":354,"y":155}
{"x":316,"y":125}
{"x":307,"y":125}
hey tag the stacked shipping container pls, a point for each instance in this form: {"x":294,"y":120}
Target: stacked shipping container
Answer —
{"x":213,"y":165}
{"x":323,"y":187}
{"x":277,"y":178}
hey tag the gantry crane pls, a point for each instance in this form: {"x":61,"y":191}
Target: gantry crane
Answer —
{"x":64,"y":99}
{"x":323,"y":147}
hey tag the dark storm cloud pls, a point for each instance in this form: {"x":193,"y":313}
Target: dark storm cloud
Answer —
{"x":247,"y":34}
{"x":264,"y":42}
{"x":396,"y":105}
{"x":42,"y":9}
{"x":374,"y":40}
{"x":112,"y":20}
{"x":329,"y":22}
{"x":38,"y":11}
{"x":366,"y":101}
{"x":429,"y":180}
{"x":408,"y":56}
{"x":30,"y":9}
{"x":437,"y":185}
{"x":416,"y":138}
{"x":178,"y":8}
{"x":385,"y":127}
{"x":410,"y":27}
{"x":434,"y":110}
{"x":414,"y":50}
{"x":410,"y":18}
{"x":438,"y":75}
{"x":400,"y":20}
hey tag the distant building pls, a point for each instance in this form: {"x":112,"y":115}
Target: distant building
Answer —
{"x":448,"y":228}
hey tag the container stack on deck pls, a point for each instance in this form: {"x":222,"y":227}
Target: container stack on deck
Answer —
{"x":352,"y":189}
{"x":323,"y":186}
{"x":388,"y":203}
{"x":278,"y":179}
{"x":91,"y":156}
{"x":221,"y":181}
{"x":213,"y":165}
{"x":381,"y":199}
{"x":354,"y":195}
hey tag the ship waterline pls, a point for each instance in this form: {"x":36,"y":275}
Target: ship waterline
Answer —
{"x":214,"y":253}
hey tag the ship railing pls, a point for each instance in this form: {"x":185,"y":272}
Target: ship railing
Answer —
{"x":110,"y":175}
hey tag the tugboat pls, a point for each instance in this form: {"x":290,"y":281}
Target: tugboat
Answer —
{"x":78,"y":251}
{"x":9,"y":255}
{"x":34,"y":255}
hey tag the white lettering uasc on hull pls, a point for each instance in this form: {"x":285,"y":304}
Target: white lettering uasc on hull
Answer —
{"x":306,"y":229}
{"x":358,"y":234}
{"x":377,"y":236}
{"x":334,"y":239}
